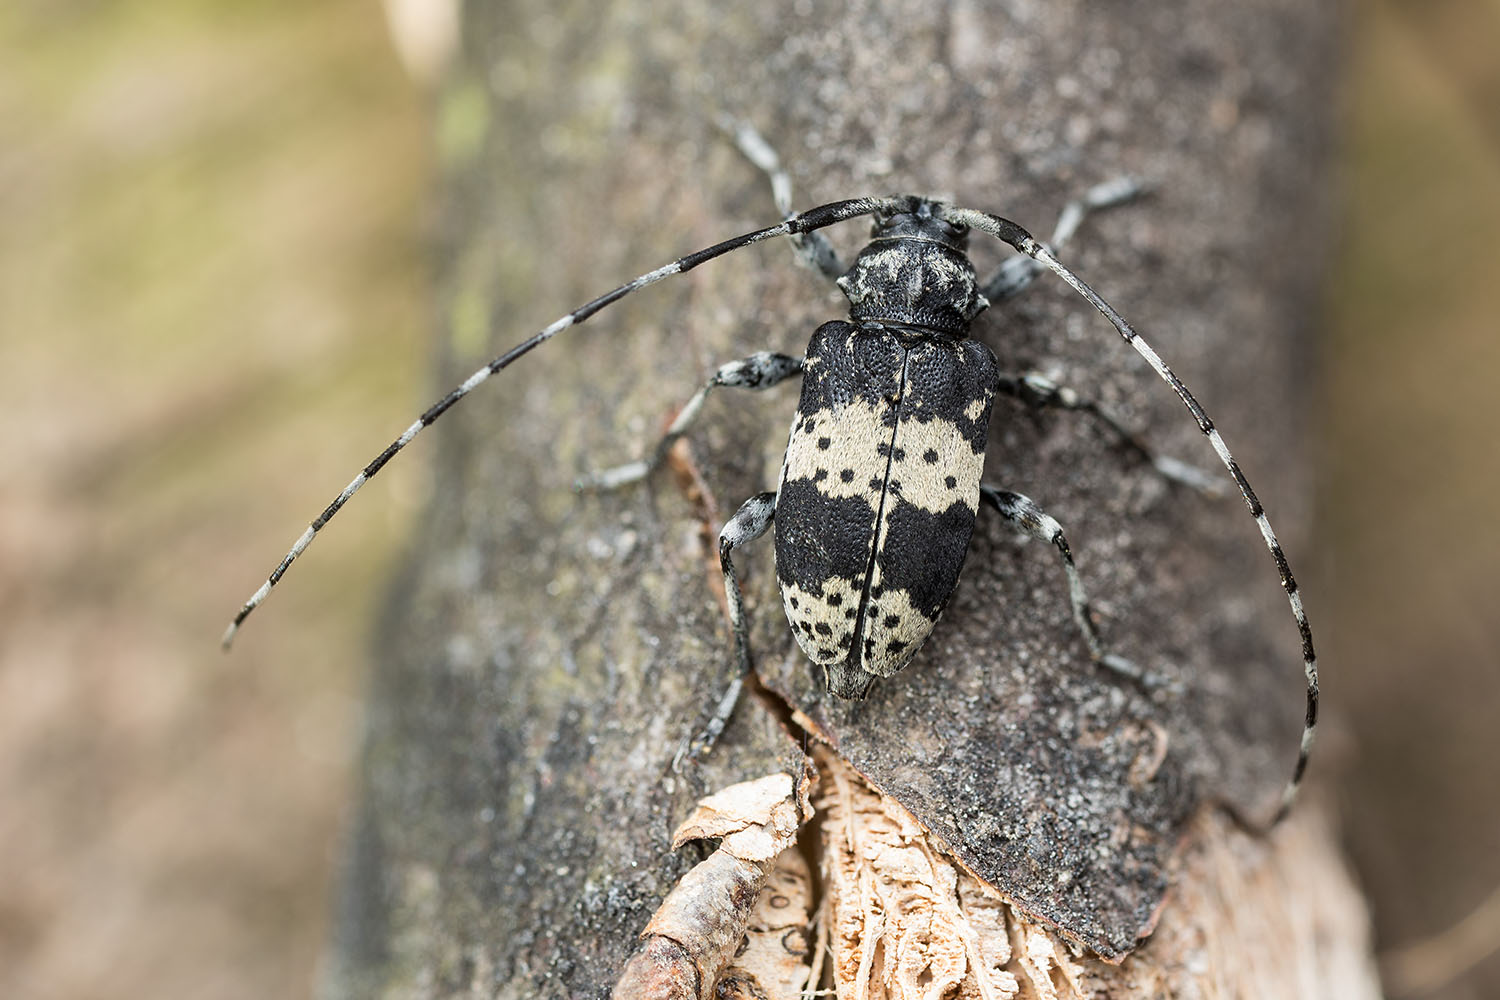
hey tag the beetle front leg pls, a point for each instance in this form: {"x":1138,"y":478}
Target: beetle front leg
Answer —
{"x":1016,"y":273}
{"x":1023,"y":512}
{"x":748,"y":524}
{"x":1037,"y":390}
{"x":758,"y":371}
{"x":811,"y":249}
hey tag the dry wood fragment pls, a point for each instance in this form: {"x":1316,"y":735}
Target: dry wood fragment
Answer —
{"x":702,"y":922}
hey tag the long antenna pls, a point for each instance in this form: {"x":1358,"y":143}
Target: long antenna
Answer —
{"x":1020,"y":239}
{"x":815,"y":218}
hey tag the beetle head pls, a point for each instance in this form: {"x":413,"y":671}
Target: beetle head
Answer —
{"x":915,"y":273}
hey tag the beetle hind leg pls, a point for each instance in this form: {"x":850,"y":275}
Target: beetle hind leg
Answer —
{"x":749,"y":523}
{"x":1024,"y":513}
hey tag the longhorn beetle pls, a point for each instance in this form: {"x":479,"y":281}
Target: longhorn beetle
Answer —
{"x":880,"y":485}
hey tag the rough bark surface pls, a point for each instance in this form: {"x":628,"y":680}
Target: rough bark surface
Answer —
{"x":546,"y":653}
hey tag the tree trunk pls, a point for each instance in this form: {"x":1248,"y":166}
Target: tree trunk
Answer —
{"x":546,"y":653}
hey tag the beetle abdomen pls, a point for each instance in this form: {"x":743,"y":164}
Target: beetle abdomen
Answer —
{"x":878,"y":494}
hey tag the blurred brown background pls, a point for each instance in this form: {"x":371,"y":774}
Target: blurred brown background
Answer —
{"x":213,"y":309}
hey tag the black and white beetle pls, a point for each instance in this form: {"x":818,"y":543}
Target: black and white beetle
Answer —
{"x":880,"y":485}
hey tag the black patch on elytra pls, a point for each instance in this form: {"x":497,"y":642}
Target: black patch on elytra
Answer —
{"x":923,"y":552}
{"x":846,"y":365}
{"x":818,"y":536}
{"x":945,"y":378}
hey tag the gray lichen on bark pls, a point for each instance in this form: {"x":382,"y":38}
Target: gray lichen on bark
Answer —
{"x":544,"y":654}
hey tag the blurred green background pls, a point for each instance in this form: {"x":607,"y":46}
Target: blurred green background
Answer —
{"x":214,"y":306}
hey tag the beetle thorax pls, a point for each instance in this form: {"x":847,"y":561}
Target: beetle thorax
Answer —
{"x":915,"y":273}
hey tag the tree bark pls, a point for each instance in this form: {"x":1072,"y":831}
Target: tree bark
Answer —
{"x":545,"y":654}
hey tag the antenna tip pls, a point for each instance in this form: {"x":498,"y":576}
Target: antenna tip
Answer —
{"x":228,"y":638}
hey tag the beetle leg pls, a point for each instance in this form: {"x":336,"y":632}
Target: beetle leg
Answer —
{"x":759,"y":371}
{"x":1016,"y":273}
{"x":748,"y":524}
{"x":1037,"y":390}
{"x":1025,"y":514}
{"x":811,"y":249}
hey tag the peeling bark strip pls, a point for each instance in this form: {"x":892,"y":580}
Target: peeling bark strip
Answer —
{"x":701,"y":924}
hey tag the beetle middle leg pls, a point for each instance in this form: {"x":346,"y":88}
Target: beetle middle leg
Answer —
{"x":749,"y":522}
{"x":758,"y":371}
{"x":1023,"y":512}
{"x":1037,"y":390}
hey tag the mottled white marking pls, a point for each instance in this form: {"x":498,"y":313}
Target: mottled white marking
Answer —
{"x":925,"y":484}
{"x":749,"y":522}
{"x":949,"y":271}
{"x":891,"y":618}
{"x":887,"y":260}
{"x":820,"y":609}
{"x":855,"y":435}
